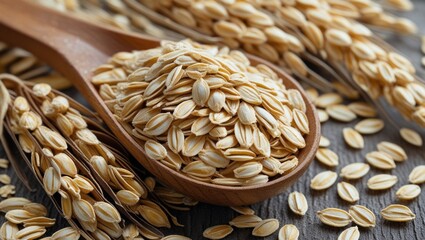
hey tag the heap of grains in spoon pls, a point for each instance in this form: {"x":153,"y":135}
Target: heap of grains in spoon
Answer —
{"x":205,"y":111}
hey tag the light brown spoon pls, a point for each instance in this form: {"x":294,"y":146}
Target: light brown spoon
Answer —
{"x":75,"y":47}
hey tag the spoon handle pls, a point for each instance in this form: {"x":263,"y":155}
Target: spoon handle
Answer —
{"x":72,"y":46}
{"x":50,"y":36}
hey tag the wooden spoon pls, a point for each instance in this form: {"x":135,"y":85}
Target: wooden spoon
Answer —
{"x":74,"y":48}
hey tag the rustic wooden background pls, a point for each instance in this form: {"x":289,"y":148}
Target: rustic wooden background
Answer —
{"x":203,"y":215}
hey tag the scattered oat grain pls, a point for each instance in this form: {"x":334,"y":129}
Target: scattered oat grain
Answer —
{"x":348,"y":192}
{"x":362,"y":216}
{"x":408,"y":192}
{"x":217,"y":232}
{"x":395,"y":151}
{"x":370,"y":126}
{"x":289,"y":232}
{"x":417,"y":175}
{"x":380,"y":160}
{"x":266,"y":227}
{"x":298,"y":203}
{"x":353,"y":138}
{"x":340,"y":113}
{"x":411,"y":136}
{"x":334,"y":217}
{"x":323,"y":180}
{"x":381,"y":182}
{"x":397,"y":213}
{"x":351,"y":233}
{"x":355,"y":170}
{"x":327,"y":157}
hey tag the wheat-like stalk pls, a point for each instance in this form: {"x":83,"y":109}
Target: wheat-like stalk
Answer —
{"x":81,"y":165}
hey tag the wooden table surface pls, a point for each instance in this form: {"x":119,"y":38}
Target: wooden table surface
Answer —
{"x":203,"y":215}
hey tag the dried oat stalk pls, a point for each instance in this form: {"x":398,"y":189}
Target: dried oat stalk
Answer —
{"x":234,"y":24}
{"x":24,"y":65}
{"x":328,"y":34}
{"x":63,"y":177}
{"x":111,"y":12}
{"x":336,"y":34}
{"x":205,"y":111}
{"x":81,"y":166}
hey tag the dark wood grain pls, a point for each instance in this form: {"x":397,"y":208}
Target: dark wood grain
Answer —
{"x":204,"y":215}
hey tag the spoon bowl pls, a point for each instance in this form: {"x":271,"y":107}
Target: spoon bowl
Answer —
{"x":74,"y":48}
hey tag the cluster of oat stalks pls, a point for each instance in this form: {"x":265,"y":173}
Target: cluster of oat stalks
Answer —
{"x":81,"y":166}
{"x":27,"y":67}
{"x":332,"y":35}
